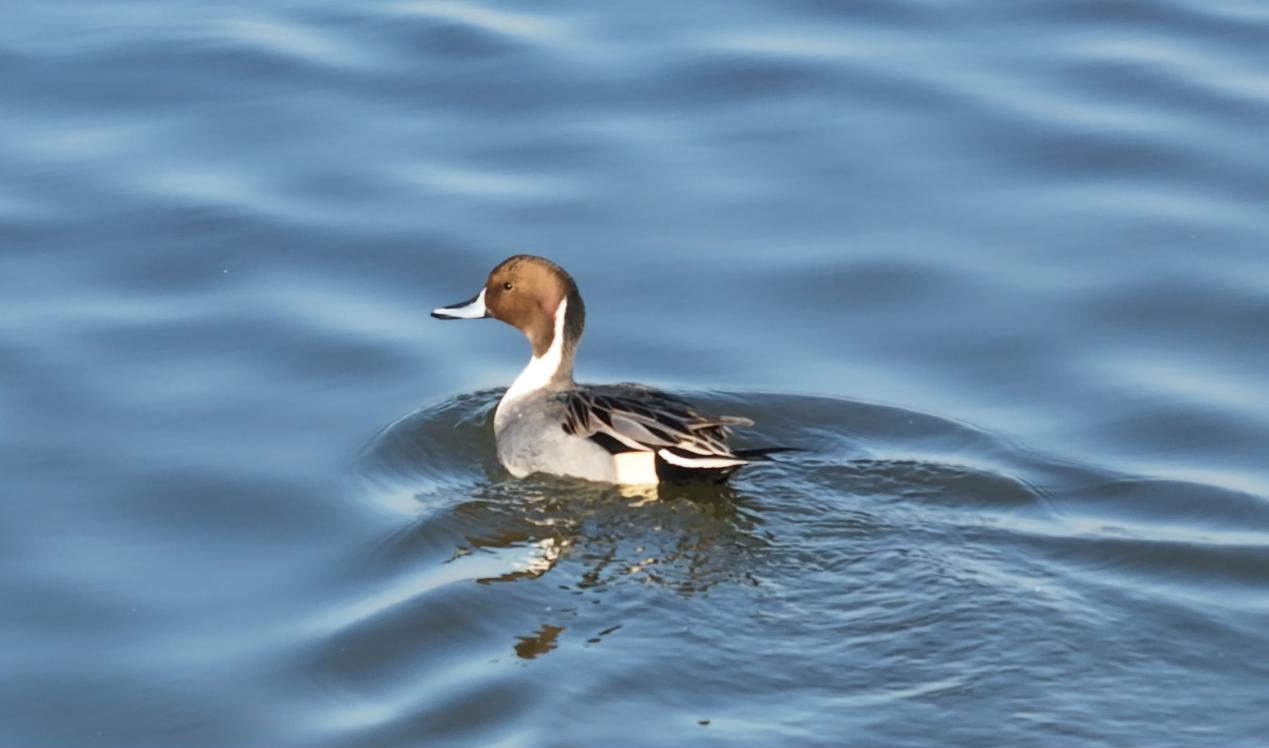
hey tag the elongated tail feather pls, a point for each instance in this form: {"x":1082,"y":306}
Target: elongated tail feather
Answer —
{"x":761,"y":453}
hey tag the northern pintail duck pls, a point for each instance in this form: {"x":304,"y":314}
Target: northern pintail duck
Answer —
{"x":617,"y":433}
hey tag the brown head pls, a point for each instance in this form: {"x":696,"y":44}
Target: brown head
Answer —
{"x":529,"y":293}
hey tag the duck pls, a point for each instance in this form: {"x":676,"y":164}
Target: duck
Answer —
{"x":624,"y":434}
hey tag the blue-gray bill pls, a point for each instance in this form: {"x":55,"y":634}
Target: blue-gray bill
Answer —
{"x":473,"y":308}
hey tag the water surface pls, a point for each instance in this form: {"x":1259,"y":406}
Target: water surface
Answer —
{"x":1000,"y":270}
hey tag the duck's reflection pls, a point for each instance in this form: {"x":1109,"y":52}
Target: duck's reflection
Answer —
{"x":685,"y":537}
{"x":542,"y":557}
{"x":538,"y":643}
{"x":590,"y":539}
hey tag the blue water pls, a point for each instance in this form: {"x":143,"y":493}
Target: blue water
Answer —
{"x":1001,"y":269}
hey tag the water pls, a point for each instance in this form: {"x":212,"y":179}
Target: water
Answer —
{"x":999,"y":268}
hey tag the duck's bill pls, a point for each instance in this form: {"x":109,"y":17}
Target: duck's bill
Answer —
{"x":473,"y":308}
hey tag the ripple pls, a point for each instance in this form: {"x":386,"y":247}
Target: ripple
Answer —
{"x":551,"y":32}
{"x":694,"y":538}
{"x":491,"y":184}
{"x":287,"y":37}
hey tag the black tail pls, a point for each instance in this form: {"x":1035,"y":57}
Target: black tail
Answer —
{"x":762,"y":452}
{"x":674,"y":474}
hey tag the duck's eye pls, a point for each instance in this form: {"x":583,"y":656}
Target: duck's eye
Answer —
{"x":507,"y":286}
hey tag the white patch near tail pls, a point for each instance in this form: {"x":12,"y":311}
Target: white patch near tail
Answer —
{"x":701,"y":463}
{"x":635,"y":468}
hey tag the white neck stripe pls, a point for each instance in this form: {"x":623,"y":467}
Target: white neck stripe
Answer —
{"x":541,"y":369}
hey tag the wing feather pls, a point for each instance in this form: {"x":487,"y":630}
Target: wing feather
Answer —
{"x":642,"y":419}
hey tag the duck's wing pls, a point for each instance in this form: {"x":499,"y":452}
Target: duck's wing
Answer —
{"x":634,"y":418}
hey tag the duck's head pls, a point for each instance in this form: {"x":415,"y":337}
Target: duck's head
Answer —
{"x":533,"y":295}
